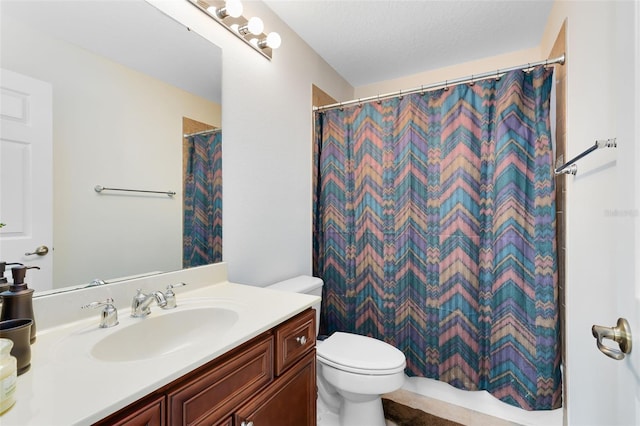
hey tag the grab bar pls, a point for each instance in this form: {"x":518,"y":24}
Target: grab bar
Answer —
{"x":570,"y":168}
{"x":100,"y":188}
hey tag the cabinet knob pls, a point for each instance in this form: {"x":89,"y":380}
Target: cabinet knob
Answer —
{"x":302,"y":340}
{"x":246,"y":424}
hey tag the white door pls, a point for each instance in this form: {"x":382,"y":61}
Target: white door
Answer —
{"x":26,"y":185}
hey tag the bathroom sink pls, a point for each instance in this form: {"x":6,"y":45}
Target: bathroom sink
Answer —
{"x":159,"y":335}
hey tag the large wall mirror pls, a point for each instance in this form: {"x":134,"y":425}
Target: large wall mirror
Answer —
{"x":125,"y":80}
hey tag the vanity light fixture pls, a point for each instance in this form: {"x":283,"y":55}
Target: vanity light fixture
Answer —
{"x":229,"y":14}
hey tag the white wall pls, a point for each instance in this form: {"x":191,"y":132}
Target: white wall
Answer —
{"x":600,"y":203}
{"x":118,"y":128}
{"x":267,"y":155}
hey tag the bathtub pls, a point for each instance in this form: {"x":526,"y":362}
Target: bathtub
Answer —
{"x":482,"y":402}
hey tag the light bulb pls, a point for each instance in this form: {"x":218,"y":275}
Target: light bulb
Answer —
{"x":255,"y":25}
{"x":234,"y":8}
{"x":273,"y":40}
{"x":231,"y":8}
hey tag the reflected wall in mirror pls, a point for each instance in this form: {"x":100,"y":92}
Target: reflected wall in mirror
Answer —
{"x":124,"y":76}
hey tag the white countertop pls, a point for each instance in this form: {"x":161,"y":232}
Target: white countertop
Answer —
{"x":67,"y":386}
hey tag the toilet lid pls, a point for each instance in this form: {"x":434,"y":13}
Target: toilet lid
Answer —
{"x":360,"y":354}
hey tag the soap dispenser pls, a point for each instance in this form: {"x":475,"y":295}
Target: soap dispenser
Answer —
{"x":4,"y":284}
{"x":17,"y":302}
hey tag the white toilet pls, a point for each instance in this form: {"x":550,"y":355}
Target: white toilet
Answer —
{"x":353,"y":370}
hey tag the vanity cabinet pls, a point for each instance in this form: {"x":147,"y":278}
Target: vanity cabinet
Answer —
{"x":270,"y":380}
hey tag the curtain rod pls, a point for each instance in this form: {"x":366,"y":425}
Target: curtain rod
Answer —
{"x":443,"y":84}
{"x":204,"y":132}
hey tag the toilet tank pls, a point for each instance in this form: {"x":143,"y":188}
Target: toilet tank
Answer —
{"x":303,"y":284}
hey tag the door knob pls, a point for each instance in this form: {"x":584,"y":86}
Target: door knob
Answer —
{"x":40,"y":251}
{"x":621,"y":334}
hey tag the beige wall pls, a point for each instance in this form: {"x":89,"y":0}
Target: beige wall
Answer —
{"x":113,"y":127}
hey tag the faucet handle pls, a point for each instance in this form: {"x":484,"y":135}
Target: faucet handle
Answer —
{"x":109,"y":315}
{"x":171,"y":296}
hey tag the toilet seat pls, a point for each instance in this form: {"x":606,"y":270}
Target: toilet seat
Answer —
{"x":360,"y":355}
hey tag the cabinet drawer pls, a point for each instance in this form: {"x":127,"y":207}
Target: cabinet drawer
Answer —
{"x":213,"y":395}
{"x":294,"y":339}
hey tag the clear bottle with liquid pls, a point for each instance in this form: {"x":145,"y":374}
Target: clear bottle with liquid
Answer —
{"x":8,"y":375}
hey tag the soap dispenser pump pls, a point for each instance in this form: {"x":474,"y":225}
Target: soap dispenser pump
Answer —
{"x":17,"y":302}
{"x":4,"y":284}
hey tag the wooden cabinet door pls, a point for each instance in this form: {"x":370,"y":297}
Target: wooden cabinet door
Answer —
{"x":290,"y":401}
{"x":145,"y":413}
{"x":213,"y":395}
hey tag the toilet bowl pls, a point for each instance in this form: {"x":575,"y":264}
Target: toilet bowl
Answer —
{"x":353,"y":371}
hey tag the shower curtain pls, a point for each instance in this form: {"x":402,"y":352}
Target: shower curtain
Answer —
{"x":202,"y":230}
{"x":434,"y":230}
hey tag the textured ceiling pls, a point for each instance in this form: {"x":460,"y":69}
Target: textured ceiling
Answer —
{"x":375,"y":40}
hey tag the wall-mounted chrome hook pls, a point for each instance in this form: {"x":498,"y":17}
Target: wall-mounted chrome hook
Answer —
{"x":620,"y":334}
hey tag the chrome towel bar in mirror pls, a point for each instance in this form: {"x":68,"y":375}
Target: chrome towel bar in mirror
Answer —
{"x":100,"y":188}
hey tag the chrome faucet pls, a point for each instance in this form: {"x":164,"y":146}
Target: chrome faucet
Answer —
{"x":171,"y":296}
{"x":109,"y":315}
{"x":141,"y":304}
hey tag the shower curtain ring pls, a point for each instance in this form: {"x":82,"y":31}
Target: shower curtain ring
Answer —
{"x":472,"y":81}
{"x":378,"y":101}
{"x":498,"y":74}
{"x":446,"y":85}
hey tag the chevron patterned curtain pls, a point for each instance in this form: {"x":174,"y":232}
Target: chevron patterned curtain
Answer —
{"x":434,"y":230}
{"x":202,"y":231}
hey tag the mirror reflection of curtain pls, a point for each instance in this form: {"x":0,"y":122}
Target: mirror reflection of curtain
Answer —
{"x":202,"y":231}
